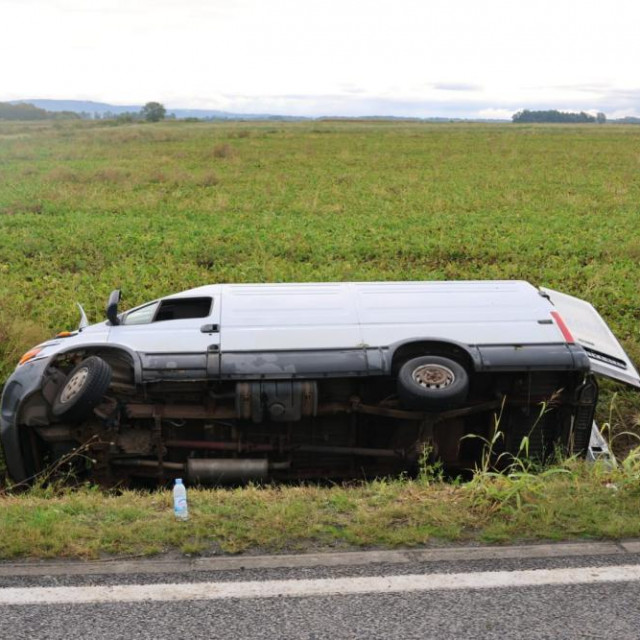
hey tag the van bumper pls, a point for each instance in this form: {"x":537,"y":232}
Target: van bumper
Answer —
{"x":24,"y":381}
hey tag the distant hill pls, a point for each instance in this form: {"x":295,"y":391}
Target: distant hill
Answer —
{"x":25,"y":111}
{"x":79,"y":106}
{"x":88,"y":108}
{"x":91,"y":109}
{"x":102,"y":108}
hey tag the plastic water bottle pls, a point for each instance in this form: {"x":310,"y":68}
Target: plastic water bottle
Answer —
{"x":180,"y":508}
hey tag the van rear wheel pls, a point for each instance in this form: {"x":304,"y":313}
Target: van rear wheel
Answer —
{"x":432,"y":382}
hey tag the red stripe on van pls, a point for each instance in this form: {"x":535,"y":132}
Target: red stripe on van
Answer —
{"x":563,"y":327}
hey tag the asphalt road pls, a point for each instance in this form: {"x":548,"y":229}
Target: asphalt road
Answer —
{"x":559,"y":591}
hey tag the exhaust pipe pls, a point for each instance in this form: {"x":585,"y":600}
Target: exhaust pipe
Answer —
{"x":213,"y":471}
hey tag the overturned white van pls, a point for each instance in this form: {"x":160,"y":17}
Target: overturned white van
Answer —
{"x":311,"y":380}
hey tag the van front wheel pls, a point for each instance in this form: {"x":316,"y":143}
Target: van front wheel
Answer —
{"x":83,"y":389}
{"x":432,"y":382}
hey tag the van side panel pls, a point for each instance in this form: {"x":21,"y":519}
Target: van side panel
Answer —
{"x":363,"y":315}
{"x":464,"y":312}
{"x":289,"y":317}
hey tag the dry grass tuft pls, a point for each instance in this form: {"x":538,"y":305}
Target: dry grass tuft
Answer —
{"x":209,"y":179}
{"x":125,"y":135}
{"x":18,"y":335}
{"x":223,"y":150}
{"x":64,"y":174}
{"x":16,"y":208}
{"x":157,"y":177}
{"x":111,"y":175}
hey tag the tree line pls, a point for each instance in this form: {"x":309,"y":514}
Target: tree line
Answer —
{"x":553,"y":115}
{"x":24,"y":111}
{"x":151,"y":112}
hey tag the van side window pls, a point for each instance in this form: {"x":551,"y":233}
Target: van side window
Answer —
{"x":171,"y":309}
{"x":183,"y":308}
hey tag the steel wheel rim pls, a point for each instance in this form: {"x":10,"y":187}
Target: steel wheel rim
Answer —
{"x":74,"y":385}
{"x":433,"y":376}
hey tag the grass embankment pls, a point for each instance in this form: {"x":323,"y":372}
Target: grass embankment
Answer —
{"x":573,"y":501}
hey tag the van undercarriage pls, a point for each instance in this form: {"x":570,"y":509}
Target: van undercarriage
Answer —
{"x":216,"y":432}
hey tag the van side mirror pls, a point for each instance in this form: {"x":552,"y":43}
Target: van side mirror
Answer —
{"x":112,"y":307}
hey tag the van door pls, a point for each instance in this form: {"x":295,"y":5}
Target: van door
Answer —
{"x":176,"y":337}
{"x":591,"y":332}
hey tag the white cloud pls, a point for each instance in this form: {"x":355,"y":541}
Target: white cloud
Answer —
{"x":625,"y":113}
{"x":456,"y":86}
{"x":335,"y":56}
{"x":496,"y":114}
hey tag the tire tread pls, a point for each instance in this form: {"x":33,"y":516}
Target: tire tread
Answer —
{"x":96,"y":386}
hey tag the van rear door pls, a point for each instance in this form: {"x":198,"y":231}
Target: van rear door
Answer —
{"x":591,"y":332}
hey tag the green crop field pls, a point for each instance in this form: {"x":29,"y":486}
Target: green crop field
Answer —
{"x":86,"y":207}
{"x":153,"y":209}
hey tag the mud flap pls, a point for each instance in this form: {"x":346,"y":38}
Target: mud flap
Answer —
{"x":585,"y":399}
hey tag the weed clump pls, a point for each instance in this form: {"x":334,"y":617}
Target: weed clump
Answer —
{"x":223,"y":150}
{"x":209,"y":179}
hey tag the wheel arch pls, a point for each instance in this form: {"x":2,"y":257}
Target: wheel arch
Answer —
{"x":465,"y":355}
{"x":113,"y":354}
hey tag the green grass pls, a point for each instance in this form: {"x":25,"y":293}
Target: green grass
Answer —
{"x":575,"y":501}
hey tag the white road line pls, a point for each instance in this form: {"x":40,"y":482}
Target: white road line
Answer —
{"x":321,"y":587}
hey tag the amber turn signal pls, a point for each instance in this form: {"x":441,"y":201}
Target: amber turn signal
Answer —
{"x":32,"y":353}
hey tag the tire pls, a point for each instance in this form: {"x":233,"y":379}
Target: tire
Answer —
{"x":83,"y":389}
{"x":432,"y":382}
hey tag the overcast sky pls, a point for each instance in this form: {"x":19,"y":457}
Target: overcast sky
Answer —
{"x":426,"y":58}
